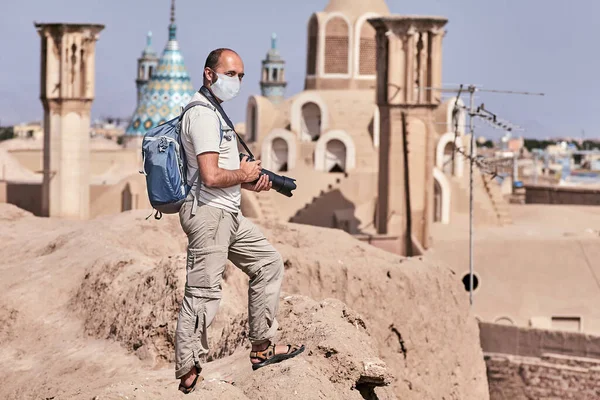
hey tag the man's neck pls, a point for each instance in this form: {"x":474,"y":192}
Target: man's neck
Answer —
{"x":211,"y":92}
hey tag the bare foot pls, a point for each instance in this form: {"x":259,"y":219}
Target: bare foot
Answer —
{"x":279,"y":349}
{"x":188,"y":378}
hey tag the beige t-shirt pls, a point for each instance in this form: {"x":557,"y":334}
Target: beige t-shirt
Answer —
{"x":200,"y":133}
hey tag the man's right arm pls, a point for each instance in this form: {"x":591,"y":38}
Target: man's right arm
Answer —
{"x":205,"y":132}
{"x":213,"y":176}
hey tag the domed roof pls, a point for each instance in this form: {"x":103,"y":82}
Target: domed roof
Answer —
{"x":169,"y":88}
{"x":356,"y":8}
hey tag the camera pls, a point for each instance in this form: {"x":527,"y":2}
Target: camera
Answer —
{"x":282,"y":184}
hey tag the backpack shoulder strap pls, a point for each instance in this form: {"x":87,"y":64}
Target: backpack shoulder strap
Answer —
{"x":203,"y":104}
{"x":194,"y":104}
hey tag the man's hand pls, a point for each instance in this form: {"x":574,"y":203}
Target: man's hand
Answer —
{"x":263,"y":185}
{"x":251,"y":169}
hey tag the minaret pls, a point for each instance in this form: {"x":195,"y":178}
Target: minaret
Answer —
{"x":272,"y":84}
{"x":67,"y":92}
{"x":168,"y":89}
{"x":147,"y":64}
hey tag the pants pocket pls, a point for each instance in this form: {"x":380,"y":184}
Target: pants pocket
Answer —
{"x":205,"y":267}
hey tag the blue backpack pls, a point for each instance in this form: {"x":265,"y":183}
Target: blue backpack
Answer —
{"x":164,"y":165}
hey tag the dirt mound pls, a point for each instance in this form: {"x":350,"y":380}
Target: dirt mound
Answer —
{"x":67,"y":286}
{"x":10,"y":212}
{"x":340,"y":362}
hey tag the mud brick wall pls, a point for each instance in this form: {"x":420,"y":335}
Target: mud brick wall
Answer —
{"x":541,"y":194}
{"x":527,"y":364}
{"x":547,"y":378}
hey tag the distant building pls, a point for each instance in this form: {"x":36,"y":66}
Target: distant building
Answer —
{"x":31,"y":130}
{"x":341,"y":137}
{"x":515,"y":145}
{"x":109,"y":128}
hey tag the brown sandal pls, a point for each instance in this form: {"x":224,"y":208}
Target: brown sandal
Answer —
{"x":268,"y":355}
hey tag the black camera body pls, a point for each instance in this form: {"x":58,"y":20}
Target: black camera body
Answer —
{"x":282,"y":184}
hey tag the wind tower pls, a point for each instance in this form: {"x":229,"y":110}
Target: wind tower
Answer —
{"x":67,"y":92}
{"x":409,"y":64}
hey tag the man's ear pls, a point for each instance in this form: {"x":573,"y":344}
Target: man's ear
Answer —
{"x":209,"y":75}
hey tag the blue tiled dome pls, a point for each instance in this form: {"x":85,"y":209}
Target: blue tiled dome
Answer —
{"x":169,"y":89}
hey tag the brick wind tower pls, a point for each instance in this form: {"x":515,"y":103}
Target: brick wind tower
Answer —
{"x":409,"y":63}
{"x":67,"y":92}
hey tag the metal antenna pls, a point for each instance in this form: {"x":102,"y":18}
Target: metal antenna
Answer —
{"x":491,"y":118}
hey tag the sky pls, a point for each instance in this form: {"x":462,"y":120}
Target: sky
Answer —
{"x":522,"y":45}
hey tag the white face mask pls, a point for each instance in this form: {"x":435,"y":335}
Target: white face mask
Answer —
{"x":226,"y":87}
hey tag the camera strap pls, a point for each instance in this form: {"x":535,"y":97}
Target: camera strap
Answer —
{"x":211,"y":99}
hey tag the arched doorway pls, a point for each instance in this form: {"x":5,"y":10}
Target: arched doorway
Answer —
{"x":448,"y":168}
{"x":279,"y":155}
{"x":335,"y":156}
{"x":441,"y":197}
{"x":447,"y":144}
{"x":126,"y":199}
{"x":311,"y":122}
{"x":252,"y":131}
{"x":437,"y":201}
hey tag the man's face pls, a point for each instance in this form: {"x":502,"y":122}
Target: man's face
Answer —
{"x":230,"y":64}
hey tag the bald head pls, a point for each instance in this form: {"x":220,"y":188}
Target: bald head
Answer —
{"x":222,"y":61}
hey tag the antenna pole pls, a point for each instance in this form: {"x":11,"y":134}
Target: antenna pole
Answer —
{"x":493,"y":120}
{"x":471,"y":161}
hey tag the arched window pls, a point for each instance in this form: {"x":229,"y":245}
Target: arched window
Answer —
{"x":504,"y":321}
{"x":337,"y":41}
{"x":335,"y":156}
{"x":311,"y":122}
{"x":279,"y":155}
{"x":367,"y":53}
{"x":313,"y":40}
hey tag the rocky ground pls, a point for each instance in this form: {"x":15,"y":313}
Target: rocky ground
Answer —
{"x":88,"y":310}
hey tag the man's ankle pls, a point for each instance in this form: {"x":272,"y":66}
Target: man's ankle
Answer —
{"x":191,"y":372}
{"x":261,"y":346}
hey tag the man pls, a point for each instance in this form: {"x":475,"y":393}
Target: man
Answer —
{"x":217,"y":230}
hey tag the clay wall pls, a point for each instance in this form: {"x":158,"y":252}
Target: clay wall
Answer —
{"x":27,"y":196}
{"x":525,"y":363}
{"x":545,"y":378}
{"x":542,"y":194}
{"x":100,"y":161}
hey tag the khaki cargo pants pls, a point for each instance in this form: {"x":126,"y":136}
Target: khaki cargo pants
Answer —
{"x":215,"y":235}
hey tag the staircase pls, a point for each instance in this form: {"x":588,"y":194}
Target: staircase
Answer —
{"x":499,"y":203}
{"x":489,"y":204}
{"x":330,"y":187}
